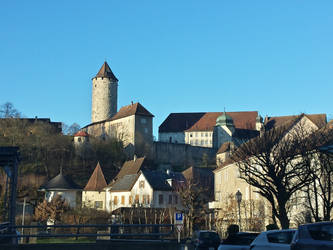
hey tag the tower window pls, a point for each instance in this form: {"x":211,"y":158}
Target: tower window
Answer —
{"x":143,"y":120}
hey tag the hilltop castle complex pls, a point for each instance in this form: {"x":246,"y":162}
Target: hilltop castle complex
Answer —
{"x":184,"y":138}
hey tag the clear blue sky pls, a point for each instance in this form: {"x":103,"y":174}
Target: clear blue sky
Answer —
{"x":275,"y":57}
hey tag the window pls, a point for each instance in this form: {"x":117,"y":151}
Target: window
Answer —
{"x":144,"y":199}
{"x":170,"y":199}
{"x":202,"y":142}
{"x":148,"y":199}
{"x":79,"y":139}
{"x":142,"y":184}
{"x":160,"y":199}
{"x":280,"y":237}
{"x":115,"y":200}
{"x":175,"y":199}
{"x":122,"y":200}
{"x":191,"y":135}
{"x":321,"y":232}
{"x":98,"y":204}
{"x":143,"y":120}
{"x":136,"y":198}
{"x":130,"y":200}
{"x":146,"y":130}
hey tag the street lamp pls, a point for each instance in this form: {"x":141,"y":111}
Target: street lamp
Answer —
{"x":239,"y":199}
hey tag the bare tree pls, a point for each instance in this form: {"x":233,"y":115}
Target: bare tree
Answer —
{"x":274,"y":164}
{"x":194,"y":198}
{"x":7,"y":110}
{"x":318,"y":193}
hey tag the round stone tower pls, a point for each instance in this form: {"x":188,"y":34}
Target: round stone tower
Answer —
{"x":104,"y":94}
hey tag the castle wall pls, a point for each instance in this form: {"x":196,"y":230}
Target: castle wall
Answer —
{"x":181,"y":154}
{"x":104,"y":99}
{"x":176,"y":137}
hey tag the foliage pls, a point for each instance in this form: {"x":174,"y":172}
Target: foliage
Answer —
{"x":51,"y":211}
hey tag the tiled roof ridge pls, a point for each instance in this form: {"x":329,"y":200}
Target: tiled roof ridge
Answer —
{"x":208,"y":121}
{"x":105,"y":71}
{"x":97,"y":180}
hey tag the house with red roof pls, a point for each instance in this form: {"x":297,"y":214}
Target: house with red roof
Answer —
{"x":93,"y":194}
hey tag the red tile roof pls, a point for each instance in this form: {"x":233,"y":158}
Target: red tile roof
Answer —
{"x":318,"y":119}
{"x":97,"y":181}
{"x":243,"y":120}
{"x":130,"y":167}
{"x":132,"y":109}
{"x":105,"y":71}
{"x":82,"y":133}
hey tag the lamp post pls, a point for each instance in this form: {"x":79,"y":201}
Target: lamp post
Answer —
{"x":239,"y":199}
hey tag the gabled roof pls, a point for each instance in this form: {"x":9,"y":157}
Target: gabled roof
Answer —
{"x":203,"y":176}
{"x":157,"y":180}
{"x":245,"y":134}
{"x":179,"y":122}
{"x":130,"y":167}
{"x":242,"y":120}
{"x":61,"y":182}
{"x":132,"y":109}
{"x":318,"y":119}
{"x":285,"y":123}
{"x":82,"y":133}
{"x":105,"y":71}
{"x":125,"y":183}
{"x":225,"y":147}
{"x":96,"y":181}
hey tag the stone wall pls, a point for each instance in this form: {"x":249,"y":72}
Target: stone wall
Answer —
{"x":181,"y":154}
{"x":104,"y":99}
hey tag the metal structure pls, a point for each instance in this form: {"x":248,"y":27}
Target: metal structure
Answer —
{"x":238,"y":196}
{"x":157,"y":231}
{"x":9,"y":159}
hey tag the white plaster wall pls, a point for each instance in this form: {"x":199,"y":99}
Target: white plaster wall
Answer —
{"x":89,"y":198}
{"x":147,"y":190}
{"x":104,"y":99}
{"x":199,"y":138}
{"x":123,"y":129}
{"x":110,"y":200}
{"x":69,"y":196}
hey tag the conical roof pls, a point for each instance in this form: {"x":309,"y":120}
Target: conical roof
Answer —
{"x":97,"y":181}
{"x":60,"y":182}
{"x":106,"y":71}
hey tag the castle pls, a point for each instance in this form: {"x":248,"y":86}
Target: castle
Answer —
{"x":133,"y":124}
{"x":184,"y":138}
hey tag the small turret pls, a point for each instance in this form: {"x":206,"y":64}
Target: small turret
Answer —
{"x":259,"y":123}
{"x":224,"y":120}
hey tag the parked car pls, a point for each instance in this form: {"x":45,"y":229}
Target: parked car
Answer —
{"x":239,"y":241}
{"x":205,"y":239}
{"x":273,"y":239}
{"x":313,"y":236}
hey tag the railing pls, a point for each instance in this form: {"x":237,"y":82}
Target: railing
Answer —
{"x":156,"y":231}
